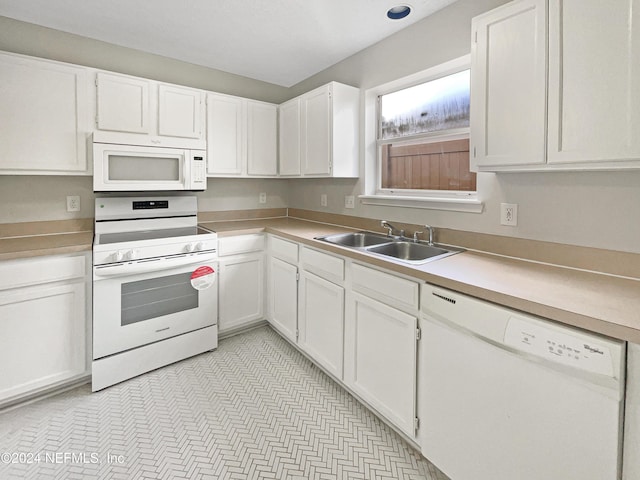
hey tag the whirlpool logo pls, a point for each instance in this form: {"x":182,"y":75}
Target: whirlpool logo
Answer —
{"x":591,"y":349}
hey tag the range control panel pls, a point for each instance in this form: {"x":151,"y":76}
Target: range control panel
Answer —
{"x":579,"y":351}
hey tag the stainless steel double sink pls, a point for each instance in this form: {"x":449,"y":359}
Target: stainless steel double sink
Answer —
{"x":398,"y":248}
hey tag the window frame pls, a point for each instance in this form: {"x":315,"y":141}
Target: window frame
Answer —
{"x":457,"y":200}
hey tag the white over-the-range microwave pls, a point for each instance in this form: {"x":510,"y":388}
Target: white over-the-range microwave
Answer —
{"x":123,"y":167}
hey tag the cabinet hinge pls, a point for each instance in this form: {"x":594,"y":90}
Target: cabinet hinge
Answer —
{"x":418,"y":333}
{"x":475,"y":37}
{"x":297,"y":334}
{"x":297,"y":276}
{"x":474,"y":152}
{"x":416,"y":423}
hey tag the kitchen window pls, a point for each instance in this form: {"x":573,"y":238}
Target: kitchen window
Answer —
{"x":418,"y":141}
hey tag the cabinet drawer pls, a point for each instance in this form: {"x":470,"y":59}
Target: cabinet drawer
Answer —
{"x":284,"y":249}
{"x":34,"y":271}
{"x":240,"y":244}
{"x":387,"y":288}
{"x":322,"y":264}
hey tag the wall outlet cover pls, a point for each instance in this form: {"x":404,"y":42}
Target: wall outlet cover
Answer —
{"x":263,"y":197}
{"x":509,"y":214}
{"x":323,"y":200}
{"x":349,"y":201}
{"x":73,"y":203}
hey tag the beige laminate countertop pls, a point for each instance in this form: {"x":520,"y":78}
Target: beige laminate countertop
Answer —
{"x":39,"y":245}
{"x":597,"y":302}
{"x":600,"y":303}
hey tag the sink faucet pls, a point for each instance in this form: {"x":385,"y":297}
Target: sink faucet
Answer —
{"x":390,"y":228}
{"x":430,"y":229}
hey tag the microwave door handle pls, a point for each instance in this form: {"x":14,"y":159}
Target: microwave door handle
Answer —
{"x":186,"y":173}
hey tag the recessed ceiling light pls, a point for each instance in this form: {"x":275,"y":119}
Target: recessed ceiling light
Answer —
{"x":401,"y":11}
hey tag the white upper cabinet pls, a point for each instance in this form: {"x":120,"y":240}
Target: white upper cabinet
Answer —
{"x":319,"y":133}
{"x":316,"y":132}
{"x":225,"y":136}
{"x":508,"y":87}
{"x":45,"y":116}
{"x":179,"y":112}
{"x":262,"y":138}
{"x":594,"y":80}
{"x":241,"y":136}
{"x":578,"y":108}
{"x":146,"y":112}
{"x":122,"y":103}
{"x":289,"y":136}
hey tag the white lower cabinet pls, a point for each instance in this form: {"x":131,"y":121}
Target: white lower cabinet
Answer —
{"x":358,"y":323}
{"x":241,"y":281}
{"x":321,"y":321}
{"x":380,"y":358}
{"x":283,"y":297}
{"x":240,"y":291}
{"x":43,"y":323}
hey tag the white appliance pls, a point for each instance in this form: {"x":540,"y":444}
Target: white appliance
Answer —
{"x":130,"y":168}
{"x":508,"y":396}
{"x":154,"y":290}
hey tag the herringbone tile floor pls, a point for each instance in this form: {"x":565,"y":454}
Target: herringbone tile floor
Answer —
{"x":253,"y":409}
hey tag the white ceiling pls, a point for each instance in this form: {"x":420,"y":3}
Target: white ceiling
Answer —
{"x":277,"y":41}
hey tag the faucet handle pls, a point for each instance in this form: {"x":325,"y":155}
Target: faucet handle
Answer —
{"x":415,"y":236}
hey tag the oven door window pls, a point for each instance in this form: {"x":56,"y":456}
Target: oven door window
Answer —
{"x":156,"y":297}
{"x":132,"y":168}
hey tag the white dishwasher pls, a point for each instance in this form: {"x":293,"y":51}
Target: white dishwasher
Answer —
{"x":508,"y":396}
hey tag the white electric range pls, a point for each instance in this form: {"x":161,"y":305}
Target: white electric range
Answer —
{"x":154,"y":289}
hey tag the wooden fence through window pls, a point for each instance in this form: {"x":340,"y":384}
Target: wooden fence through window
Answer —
{"x":430,"y":166}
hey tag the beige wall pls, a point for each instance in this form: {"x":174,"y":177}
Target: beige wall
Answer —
{"x":30,"y":39}
{"x":35,"y":198}
{"x":595,"y":209}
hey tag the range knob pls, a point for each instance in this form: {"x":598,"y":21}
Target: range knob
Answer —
{"x":131,"y":255}
{"x":117,"y":256}
{"x":193,"y":247}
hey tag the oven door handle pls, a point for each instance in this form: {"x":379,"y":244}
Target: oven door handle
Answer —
{"x":146,"y":266}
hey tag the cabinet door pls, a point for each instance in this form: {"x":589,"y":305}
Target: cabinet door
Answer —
{"x":179,"y":112}
{"x":380,"y":359}
{"x":45,"y":116}
{"x":316,"y":132}
{"x":262,"y":135}
{"x":283,"y":297}
{"x":42,"y":336}
{"x":240,"y":291}
{"x":508,"y":85}
{"x":225,"y":136}
{"x":123,"y":103}
{"x":289,"y":147}
{"x":321,"y":321}
{"x":594,"y":80}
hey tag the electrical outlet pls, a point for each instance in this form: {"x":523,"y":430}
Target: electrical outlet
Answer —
{"x":73,"y":203}
{"x":263,"y":197}
{"x":323,"y":200}
{"x":509,"y":214}
{"x":349,"y":201}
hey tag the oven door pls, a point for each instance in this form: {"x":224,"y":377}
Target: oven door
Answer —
{"x":138,"y":303}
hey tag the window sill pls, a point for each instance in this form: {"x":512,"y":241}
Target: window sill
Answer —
{"x":469,"y":205}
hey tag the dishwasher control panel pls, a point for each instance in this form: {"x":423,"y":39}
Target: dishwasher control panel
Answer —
{"x":579,"y":351}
